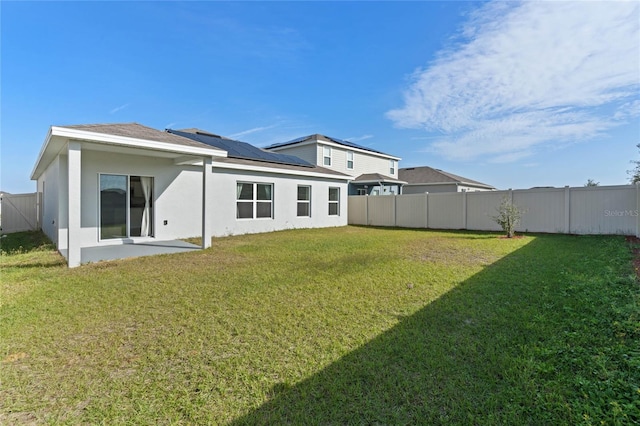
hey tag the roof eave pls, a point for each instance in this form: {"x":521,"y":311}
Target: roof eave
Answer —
{"x":35,"y":172}
{"x":57,"y":133}
{"x":84,"y":135}
{"x":269,"y":167}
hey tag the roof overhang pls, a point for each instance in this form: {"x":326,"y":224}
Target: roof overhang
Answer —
{"x":267,"y":169}
{"x":376,"y":178}
{"x":378,"y":181}
{"x":58,"y":137}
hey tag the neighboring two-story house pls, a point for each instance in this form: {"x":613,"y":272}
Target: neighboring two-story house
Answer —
{"x":373,"y":172}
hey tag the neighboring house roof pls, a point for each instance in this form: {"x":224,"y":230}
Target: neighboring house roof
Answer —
{"x":376,"y":178}
{"x":319,"y":137}
{"x":238,"y":149}
{"x":427,"y":175}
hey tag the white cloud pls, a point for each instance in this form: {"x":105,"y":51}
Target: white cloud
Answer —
{"x":527,"y":75}
{"x":628,"y":110}
{"x":253,"y":130}
{"x":359,"y":138}
{"x":116,"y":109}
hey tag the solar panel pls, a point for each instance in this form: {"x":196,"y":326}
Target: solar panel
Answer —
{"x":353,"y":145}
{"x":242,"y":150}
{"x":336,"y":140}
{"x":275,"y":145}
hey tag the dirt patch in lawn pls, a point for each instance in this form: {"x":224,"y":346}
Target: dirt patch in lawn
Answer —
{"x":442,"y":251}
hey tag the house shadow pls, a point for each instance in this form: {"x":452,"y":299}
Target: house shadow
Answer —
{"x":14,"y":246}
{"x":452,"y":362}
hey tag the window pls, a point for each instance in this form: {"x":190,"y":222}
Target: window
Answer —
{"x":334,"y":201}
{"x":254,"y":200}
{"x":126,"y":206}
{"x":326,"y":150}
{"x":362,"y":191}
{"x":304,"y":200}
{"x":392,"y":167}
{"x":350,"y":160}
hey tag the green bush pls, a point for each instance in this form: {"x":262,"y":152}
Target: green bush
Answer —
{"x":508,"y":216}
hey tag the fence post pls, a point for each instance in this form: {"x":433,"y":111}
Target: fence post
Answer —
{"x":567,"y":210}
{"x":464,"y":209}
{"x":366,"y":210}
{"x":395,"y":211}
{"x":637,"y":209}
{"x":426,"y":210}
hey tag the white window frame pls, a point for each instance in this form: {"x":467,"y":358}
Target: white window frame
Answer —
{"x":392,"y":167}
{"x":326,"y":156}
{"x":152,"y":225}
{"x":350,"y":160}
{"x":303,"y":202}
{"x":255,"y":201}
{"x":333,"y":202}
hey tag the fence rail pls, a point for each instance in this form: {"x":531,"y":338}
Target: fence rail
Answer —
{"x":19,"y":212}
{"x":578,"y":210}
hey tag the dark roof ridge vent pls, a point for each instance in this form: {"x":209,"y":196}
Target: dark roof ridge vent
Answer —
{"x":201,"y":132}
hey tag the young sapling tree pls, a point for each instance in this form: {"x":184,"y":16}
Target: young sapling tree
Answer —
{"x":508,"y":216}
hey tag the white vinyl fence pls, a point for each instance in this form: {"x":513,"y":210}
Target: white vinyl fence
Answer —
{"x":580,"y":210}
{"x":18,"y":212}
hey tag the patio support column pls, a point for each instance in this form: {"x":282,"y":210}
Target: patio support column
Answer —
{"x":74,"y":151}
{"x":207,"y":210}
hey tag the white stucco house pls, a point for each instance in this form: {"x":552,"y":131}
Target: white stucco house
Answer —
{"x":108,"y":184}
{"x":371,"y":172}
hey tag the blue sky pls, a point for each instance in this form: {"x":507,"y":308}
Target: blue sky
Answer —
{"x":511,"y":94}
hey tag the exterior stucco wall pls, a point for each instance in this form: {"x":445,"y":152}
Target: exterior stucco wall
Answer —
{"x":177,"y":198}
{"x":285,"y":189}
{"x":48,"y":186}
{"x":177,"y":193}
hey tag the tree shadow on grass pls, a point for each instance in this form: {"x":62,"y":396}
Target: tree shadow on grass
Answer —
{"x":463,"y":359}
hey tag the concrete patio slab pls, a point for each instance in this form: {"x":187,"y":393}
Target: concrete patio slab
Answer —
{"x":124,"y":251}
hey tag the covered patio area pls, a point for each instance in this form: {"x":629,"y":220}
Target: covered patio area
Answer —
{"x":124,"y":251}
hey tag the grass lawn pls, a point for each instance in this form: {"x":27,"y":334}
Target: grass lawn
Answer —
{"x":330,"y":326}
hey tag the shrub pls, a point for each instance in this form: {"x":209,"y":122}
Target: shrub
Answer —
{"x":508,"y":216}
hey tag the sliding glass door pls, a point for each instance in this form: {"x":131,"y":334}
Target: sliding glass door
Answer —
{"x":126,"y":206}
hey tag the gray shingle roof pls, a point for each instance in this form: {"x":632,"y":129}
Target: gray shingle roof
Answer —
{"x":426,"y":175}
{"x":376,"y":177}
{"x":326,"y":139}
{"x":137,"y":131}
